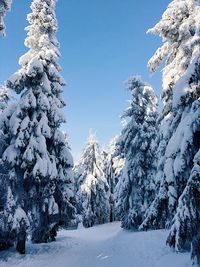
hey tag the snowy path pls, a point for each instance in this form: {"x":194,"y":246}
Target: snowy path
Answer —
{"x":101,"y":246}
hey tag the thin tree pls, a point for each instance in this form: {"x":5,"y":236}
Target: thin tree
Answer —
{"x":135,"y":189}
{"x":93,"y":190}
{"x":114,"y":162}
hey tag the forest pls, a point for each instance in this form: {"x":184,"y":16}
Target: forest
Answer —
{"x":148,"y":177}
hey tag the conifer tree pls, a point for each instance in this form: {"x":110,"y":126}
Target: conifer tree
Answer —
{"x":136,"y":187}
{"x":93,"y":188}
{"x":114,"y":162}
{"x":179,"y":130}
{"x":37,"y":152}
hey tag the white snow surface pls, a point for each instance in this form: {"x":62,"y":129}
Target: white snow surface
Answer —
{"x":99,"y":246}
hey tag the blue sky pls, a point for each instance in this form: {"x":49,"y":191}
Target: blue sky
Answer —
{"x":102,"y":44}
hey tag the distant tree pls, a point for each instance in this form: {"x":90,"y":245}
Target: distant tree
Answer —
{"x":135,"y":189}
{"x":114,"y":162}
{"x":93,"y":190}
{"x":37,"y":151}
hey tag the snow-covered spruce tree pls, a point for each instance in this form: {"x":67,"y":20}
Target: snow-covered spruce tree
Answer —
{"x":114,"y":162}
{"x":5,"y":6}
{"x":135,"y":189}
{"x":93,"y":191}
{"x":179,"y":130}
{"x":186,"y":223}
{"x":41,"y":162}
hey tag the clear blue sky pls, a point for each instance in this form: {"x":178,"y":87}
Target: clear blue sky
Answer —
{"x":102,"y":44}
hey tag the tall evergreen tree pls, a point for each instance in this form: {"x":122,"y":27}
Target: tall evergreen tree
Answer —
{"x":5,"y":6}
{"x":93,"y":188}
{"x":37,"y":152}
{"x":114,"y":162}
{"x":179,"y":130}
{"x":136,"y":186}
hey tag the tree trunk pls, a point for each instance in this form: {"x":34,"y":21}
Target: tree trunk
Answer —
{"x":21,"y":242}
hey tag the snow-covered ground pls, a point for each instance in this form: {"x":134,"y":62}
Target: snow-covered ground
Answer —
{"x":101,"y":246}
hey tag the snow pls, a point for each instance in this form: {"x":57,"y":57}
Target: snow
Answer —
{"x":99,"y":246}
{"x":34,"y":67}
{"x":53,"y":207}
{"x":11,"y":155}
{"x":181,"y":88}
{"x":18,"y":217}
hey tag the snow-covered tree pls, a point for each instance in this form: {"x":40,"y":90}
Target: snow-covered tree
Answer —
{"x":93,"y":190}
{"x":40,"y":160}
{"x":114,"y":162}
{"x":5,"y":6}
{"x":179,"y":29}
{"x":186,"y":223}
{"x":135,"y":189}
